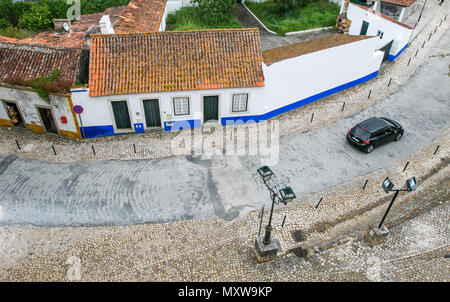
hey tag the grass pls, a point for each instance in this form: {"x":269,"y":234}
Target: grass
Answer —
{"x":14,"y":32}
{"x":189,"y":18}
{"x":319,"y":13}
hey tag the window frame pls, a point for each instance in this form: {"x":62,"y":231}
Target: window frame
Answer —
{"x":188,"y":105}
{"x":246,"y":103}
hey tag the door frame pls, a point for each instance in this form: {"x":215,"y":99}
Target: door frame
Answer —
{"x":113,"y":118}
{"x":40,"y":117}
{"x":362,"y":25}
{"x":144,"y":119}
{"x":18,"y":109}
{"x":202,"y":105}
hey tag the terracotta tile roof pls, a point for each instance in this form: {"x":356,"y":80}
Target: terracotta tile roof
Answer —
{"x":21,"y":63}
{"x":382,"y":15}
{"x":141,"y":16}
{"x":8,"y":40}
{"x":86,"y":21}
{"x":175,"y":61}
{"x":58,"y":40}
{"x":305,"y":47}
{"x":400,"y":2}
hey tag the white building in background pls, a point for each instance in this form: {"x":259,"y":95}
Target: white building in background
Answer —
{"x":394,"y":35}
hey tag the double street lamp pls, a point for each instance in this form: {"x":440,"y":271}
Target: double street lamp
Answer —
{"x":388,"y":186}
{"x":377,"y":234}
{"x":284,"y":196}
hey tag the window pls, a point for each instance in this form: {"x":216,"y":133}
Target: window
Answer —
{"x":240,"y":102}
{"x":181,"y":106}
{"x":380,"y":33}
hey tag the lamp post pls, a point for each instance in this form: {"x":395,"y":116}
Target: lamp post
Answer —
{"x":377,"y":234}
{"x":285,"y":195}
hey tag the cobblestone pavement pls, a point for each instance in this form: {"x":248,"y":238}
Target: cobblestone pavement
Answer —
{"x":326,"y":111}
{"x":214,"y":250}
{"x":192,"y":187}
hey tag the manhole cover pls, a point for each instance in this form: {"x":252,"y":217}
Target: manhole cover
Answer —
{"x":299,"y":236}
{"x":299,"y":252}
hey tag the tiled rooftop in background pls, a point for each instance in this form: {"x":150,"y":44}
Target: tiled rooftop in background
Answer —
{"x":175,"y":61}
{"x":26,"y":63}
{"x":400,"y":2}
{"x":301,"y":48}
{"x":141,"y":16}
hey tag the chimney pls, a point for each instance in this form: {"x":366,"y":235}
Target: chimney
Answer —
{"x":59,"y":24}
{"x":345,"y":8}
{"x":105,"y":25}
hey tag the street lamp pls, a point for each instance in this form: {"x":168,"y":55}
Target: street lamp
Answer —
{"x":376,"y":235}
{"x":388,"y":186}
{"x":284,"y":196}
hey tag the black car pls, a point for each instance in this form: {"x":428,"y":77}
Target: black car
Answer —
{"x":374,"y":132}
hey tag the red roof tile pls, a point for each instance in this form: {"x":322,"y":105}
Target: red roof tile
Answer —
{"x":87,"y":21}
{"x":58,"y":40}
{"x":400,"y":2}
{"x":21,"y":63}
{"x":141,"y":16}
{"x":175,"y":61}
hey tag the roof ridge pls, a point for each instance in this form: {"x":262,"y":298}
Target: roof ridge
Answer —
{"x":253,"y":29}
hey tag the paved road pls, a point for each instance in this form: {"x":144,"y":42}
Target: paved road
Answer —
{"x":130,"y":192}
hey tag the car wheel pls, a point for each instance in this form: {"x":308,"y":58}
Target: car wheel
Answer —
{"x":399,"y":136}
{"x":369,"y":149}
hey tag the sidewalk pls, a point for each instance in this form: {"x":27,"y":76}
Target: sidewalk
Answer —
{"x":158,"y":145}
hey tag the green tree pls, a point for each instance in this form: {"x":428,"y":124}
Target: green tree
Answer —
{"x":216,"y":9}
{"x":37,"y":19}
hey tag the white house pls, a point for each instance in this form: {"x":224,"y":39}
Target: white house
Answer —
{"x":178,"y":80}
{"x":394,"y":35}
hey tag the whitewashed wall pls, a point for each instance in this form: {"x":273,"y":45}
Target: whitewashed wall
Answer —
{"x":172,"y":6}
{"x":27,"y":102}
{"x":287,"y":83}
{"x":308,"y":75}
{"x":391,"y":31}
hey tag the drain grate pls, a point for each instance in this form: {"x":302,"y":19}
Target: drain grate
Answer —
{"x":299,"y":236}
{"x":299,"y":252}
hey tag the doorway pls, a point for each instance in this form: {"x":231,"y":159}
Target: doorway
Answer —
{"x":14,"y":114}
{"x":364,"y":28}
{"x":152,"y":114}
{"x":210,"y":108}
{"x":48,"y":120}
{"x":386,"y":48}
{"x":121,"y":115}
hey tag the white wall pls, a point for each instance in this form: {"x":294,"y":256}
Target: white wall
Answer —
{"x":286,"y":82}
{"x":27,"y":102}
{"x":172,"y":6}
{"x":97,"y":111}
{"x":391,"y":31}
{"x":301,"y":77}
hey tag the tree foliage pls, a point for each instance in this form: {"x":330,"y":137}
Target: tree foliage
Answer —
{"x":37,"y":19}
{"x":216,"y":9}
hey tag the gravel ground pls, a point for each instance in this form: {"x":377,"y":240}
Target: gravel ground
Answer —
{"x":216,"y":250}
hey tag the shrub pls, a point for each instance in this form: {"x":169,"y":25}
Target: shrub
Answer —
{"x":37,"y":19}
{"x":216,"y":9}
{"x":4,"y":24}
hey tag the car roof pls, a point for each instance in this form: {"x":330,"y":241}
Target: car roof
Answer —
{"x":374,"y":124}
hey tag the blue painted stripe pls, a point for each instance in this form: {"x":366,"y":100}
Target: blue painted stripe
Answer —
{"x":81,"y":90}
{"x":392,"y":58}
{"x":99,"y":131}
{"x":271,"y":114}
{"x":139,"y":128}
{"x":180,"y":125}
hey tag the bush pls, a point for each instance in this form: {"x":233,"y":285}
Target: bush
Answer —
{"x":4,"y":24}
{"x":37,"y":19}
{"x":192,"y":18}
{"x":216,"y":9}
{"x":14,"y":32}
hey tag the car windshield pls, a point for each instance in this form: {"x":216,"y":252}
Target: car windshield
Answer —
{"x":361,"y":133}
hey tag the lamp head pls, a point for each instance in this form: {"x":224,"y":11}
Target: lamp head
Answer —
{"x":411,"y":183}
{"x":287,"y":194}
{"x":387,"y":185}
{"x":265,"y":173}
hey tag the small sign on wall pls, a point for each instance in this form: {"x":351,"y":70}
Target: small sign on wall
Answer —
{"x":63,"y":119}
